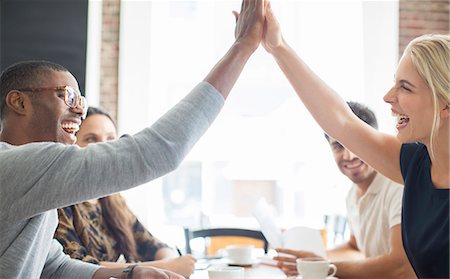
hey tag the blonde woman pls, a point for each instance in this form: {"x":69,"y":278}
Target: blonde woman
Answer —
{"x":99,"y":231}
{"x":417,"y":157}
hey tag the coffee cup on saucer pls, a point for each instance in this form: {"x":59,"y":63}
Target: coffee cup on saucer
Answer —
{"x":239,"y":254}
{"x":315,"y":268}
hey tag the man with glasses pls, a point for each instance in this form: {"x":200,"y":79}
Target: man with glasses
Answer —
{"x":71,"y":97}
{"x":40,"y":170}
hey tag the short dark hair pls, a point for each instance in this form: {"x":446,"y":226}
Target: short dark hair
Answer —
{"x":94,"y":110}
{"x":364,"y":113}
{"x":24,"y":74}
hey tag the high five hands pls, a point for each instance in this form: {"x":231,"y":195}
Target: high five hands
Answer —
{"x":257,"y":24}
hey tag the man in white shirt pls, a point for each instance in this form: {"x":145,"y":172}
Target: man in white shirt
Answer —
{"x":374,"y":206}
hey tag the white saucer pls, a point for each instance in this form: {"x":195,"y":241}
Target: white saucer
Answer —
{"x":251,"y":262}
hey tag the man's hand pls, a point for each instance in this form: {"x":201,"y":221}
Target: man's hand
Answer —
{"x":248,"y":33}
{"x":250,"y":23}
{"x":143,"y":272}
{"x":288,"y":264}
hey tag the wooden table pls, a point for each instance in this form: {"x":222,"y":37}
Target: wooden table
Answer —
{"x":260,"y":271}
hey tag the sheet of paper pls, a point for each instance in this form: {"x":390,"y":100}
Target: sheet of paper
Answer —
{"x":303,"y":238}
{"x":268,"y":225}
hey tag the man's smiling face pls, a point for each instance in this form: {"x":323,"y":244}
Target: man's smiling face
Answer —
{"x":51,"y":119}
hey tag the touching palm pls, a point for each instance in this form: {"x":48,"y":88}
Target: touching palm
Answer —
{"x":272,"y":37}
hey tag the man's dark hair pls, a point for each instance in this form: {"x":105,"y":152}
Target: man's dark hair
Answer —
{"x":364,"y":113}
{"x":27,"y":74}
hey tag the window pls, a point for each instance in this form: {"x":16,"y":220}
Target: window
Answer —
{"x":264,"y":141}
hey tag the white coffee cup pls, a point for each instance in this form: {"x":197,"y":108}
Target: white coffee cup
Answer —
{"x":315,"y":268}
{"x":239,"y":254}
{"x":226,"y":272}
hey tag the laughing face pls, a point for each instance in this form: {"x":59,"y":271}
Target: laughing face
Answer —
{"x":412,"y":105}
{"x":350,"y":165}
{"x":51,"y":119}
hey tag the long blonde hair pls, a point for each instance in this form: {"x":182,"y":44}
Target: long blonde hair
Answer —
{"x":430,"y":54}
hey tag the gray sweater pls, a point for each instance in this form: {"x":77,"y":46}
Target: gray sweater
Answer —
{"x":37,"y":178}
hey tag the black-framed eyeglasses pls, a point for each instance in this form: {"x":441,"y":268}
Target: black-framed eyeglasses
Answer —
{"x":72,"y":98}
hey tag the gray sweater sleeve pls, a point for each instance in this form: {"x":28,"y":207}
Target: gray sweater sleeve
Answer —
{"x":37,"y":177}
{"x":60,"y":265}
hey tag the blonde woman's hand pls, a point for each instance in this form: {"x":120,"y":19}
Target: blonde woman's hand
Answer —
{"x":272,"y":37}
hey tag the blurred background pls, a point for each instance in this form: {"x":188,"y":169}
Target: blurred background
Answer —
{"x":136,"y":59}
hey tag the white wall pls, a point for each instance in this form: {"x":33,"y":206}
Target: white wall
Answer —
{"x":380,"y":56}
{"x":93,"y":52}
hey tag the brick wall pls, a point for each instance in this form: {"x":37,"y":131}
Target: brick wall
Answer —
{"x":418,"y":17}
{"x":110,"y":57}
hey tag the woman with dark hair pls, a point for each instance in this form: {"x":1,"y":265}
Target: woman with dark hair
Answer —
{"x":100,"y":231}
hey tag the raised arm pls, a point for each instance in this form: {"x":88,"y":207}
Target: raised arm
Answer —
{"x":379,"y":150}
{"x":248,"y":33}
{"x":64,"y":175}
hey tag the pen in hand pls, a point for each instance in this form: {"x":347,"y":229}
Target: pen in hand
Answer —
{"x":178,"y":250}
{"x":180,"y":254}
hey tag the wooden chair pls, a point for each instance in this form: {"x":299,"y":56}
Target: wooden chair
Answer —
{"x":220,"y":237}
